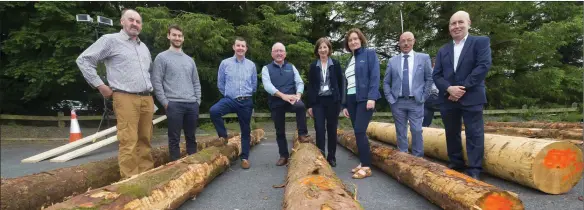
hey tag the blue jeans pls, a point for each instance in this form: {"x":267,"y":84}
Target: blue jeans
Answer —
{"x":182,"y":115}
{"x":360,"y":118}
{"x":243,"y":109}
{"x":404,"y":110}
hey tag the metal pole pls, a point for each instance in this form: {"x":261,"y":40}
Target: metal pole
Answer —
{"x":96,"y":33}
{"x":402,"y":20}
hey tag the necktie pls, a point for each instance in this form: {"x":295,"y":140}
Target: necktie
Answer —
{"x":406,"y":79}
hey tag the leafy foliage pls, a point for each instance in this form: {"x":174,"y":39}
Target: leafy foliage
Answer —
{"x":536,"y":46}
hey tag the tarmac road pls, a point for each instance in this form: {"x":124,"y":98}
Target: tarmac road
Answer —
{"x":252,"y":189}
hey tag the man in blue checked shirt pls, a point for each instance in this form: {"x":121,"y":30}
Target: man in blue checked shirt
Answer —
{"x":237,"y":81}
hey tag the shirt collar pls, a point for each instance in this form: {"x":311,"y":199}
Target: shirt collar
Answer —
{"x":461,"y":41}
{"x":237,"y":61}
{"x":329,"y":62}
{"x":278,"y":65}
{"x":126,"y":37}
{"x":411,"y":54}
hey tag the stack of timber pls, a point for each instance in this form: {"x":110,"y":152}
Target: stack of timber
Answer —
{"x":312,"y":184}
{"x":45,"y":188}
{"x":574,"y":135}
{"x":553,"y":167}
{"x":533,"y":124}
{"x":446,"y":188}
{"x":165,"y":187}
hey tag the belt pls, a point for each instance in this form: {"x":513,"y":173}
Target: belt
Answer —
{"x":241,"y":98}
{"x":143,"y":93}
{"x":406,"y":97}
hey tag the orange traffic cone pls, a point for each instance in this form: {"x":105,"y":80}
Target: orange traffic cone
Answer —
{"x":75,"y":131}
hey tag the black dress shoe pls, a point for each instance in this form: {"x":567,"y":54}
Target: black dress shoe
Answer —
{"x":455,"y":167}
{"x":474,"y":176}
{"x":333,"y":163}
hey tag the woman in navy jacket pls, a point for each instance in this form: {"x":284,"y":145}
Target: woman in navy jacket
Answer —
{"x":360,"y":93}
{"x":323,"y":91}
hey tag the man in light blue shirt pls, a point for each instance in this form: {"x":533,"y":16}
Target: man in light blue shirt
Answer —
{"x":283,"y":83}
{"x":237,"y":81}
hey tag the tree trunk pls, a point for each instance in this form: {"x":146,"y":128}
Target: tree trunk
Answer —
{"x":553,"y":167}
{"x":48,"y":187}
{"x":571,"y":134}
{"x":165,"y":187}
{"x":446,"y":188}
{"x":312,"y":184}
{"x":533,"y":124}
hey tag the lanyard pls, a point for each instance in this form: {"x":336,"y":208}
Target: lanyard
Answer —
{"x":324,"y":69}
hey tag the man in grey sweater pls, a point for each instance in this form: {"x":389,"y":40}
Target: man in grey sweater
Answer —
{"x":177,"y":87}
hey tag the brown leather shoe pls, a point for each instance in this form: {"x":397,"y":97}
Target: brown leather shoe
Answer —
{"x":244,"y":164}
{"x":282,"y":161}
{"x":304,"y":139}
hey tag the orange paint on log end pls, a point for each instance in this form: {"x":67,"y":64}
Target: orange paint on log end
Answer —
{"x":556,"y":158}
{"x":497,"y":202}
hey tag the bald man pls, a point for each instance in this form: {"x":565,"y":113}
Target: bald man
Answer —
{"x":127,"y":61}
{"x":283,"y":83}
{"x":460,"y":71}
{"x":407,"y":84}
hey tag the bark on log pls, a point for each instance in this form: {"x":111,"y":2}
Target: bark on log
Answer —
{"x":312,"y":184}
{"x":553,"y":167}
{"x":45,"y":188}
{"x":571,"y":134}
{"x":533,"y":124}
{"x":165,"y":187}
{"x":446,"y":188}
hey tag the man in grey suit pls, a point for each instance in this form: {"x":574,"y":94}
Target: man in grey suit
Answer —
{"x":407,"y":84}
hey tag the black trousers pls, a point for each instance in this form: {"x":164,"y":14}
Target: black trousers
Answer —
{"x":326,"y":119}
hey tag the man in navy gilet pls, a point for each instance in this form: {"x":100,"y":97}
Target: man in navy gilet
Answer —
{"x":283,"y":83}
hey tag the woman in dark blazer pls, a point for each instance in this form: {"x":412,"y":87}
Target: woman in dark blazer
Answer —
{"x":360,"y":92}
{"x":323,"y":91}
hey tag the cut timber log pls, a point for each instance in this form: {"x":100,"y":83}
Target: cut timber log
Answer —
{"x":89,"y":148}
{"x":165,"y":187}
{"x":312,"y":184}
{"x":446,"y":188}
{"x":536,"y":132}
{"x":533,"y":124}
{"x":44,"y":188}
{"x":553,"y":167}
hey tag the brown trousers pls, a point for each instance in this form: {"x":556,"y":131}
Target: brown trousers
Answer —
{"x":134,"y":115}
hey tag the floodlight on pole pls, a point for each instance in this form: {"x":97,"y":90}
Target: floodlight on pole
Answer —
{"x":104,"y":20}
{"x":100,"y":20}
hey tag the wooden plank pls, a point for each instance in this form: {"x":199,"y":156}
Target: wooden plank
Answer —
{"x":84,"y":150}
{"x":76,"y":153}
{"x":69,"y":146}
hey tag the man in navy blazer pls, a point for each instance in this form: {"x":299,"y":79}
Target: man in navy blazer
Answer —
{"x":407,"y":83}
{"x":460,"y":72}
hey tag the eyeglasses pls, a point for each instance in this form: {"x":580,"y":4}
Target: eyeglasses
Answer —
{"x":278,"y":51}
{"x":407,"y":41}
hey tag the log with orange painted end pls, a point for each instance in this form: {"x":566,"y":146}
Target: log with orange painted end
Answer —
{"x":536,"y":132}
{"x":446,"y":188}
{"x":533,"y":124}
{"x":312,"y":184}
{"x":164,"y":187}
{"x":550,"y":166}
